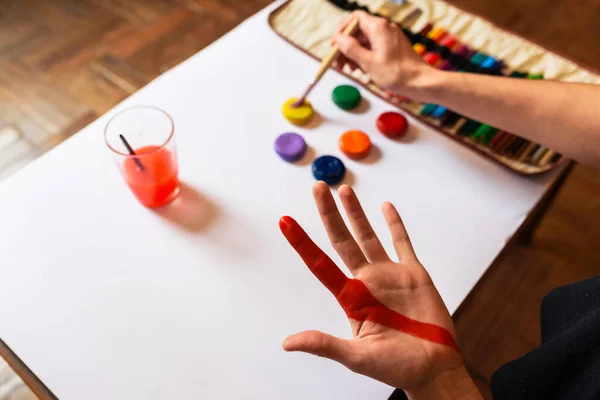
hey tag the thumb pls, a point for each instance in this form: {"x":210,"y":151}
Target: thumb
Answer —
{"x":353,"y":50}
{"x":322,"y":345}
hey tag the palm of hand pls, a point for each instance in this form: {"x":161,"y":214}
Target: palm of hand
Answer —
{"x":386,"y":302}
{"x":396,"y":358}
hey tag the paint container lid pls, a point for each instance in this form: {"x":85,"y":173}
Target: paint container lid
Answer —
{"x":329,"y":169}
{"x":346,"y":97}
{"x":290,"y":146}
{"x":392,"y":124}
{"x":355,"y":144}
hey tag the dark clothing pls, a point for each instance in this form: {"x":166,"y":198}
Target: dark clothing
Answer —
{"x":567,"y":364}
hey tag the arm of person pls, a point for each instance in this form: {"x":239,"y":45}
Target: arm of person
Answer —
{"x":453,"y":385}
{"x":559,"y":115}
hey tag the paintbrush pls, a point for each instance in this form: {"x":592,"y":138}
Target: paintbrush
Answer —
{"x":325,"y":64}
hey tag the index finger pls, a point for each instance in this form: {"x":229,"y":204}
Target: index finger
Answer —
{"x":315,"y":259}
{"x":365,"y":24}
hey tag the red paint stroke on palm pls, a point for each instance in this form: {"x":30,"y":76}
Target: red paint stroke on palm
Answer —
{"x":353,"y":295}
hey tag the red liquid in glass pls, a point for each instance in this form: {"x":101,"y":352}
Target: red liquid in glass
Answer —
{"x":157,"y":184}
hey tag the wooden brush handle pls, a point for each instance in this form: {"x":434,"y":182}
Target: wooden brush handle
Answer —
{"x":335,"y":50}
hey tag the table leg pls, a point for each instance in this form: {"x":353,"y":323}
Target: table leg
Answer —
{"x":526,"y":233}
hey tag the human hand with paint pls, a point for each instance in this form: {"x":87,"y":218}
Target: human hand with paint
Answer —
{"x":381,"y":49}
{"x":402,"y":332}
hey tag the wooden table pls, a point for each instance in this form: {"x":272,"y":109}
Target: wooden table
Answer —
{"x":192,"y":301}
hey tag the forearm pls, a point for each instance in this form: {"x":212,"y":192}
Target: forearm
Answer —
{"x":562,"y":116}
{"x":452,"y":385}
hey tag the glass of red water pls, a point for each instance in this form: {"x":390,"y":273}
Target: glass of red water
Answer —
{"x":151,"y":172}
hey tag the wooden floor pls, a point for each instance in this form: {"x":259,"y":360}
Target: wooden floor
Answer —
{"x":65,"y":62}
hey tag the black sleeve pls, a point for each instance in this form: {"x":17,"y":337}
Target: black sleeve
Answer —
{"x":398,"y":395}
{"x":567,"y":364}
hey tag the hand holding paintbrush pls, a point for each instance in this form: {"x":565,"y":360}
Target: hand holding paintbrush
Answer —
{"x":326,"y":63}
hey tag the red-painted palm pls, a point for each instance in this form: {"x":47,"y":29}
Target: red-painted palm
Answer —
{"x":417,"y":346}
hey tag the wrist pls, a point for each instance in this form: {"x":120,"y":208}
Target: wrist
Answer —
{"x":455,"y":384}
{"x":422,"y":85}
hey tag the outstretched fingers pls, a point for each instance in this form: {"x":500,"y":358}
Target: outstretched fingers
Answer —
{"x":365,"y":235}
{"x":315,"y":259}
{"x":400,"y":238}
{"x":340,"y":237}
